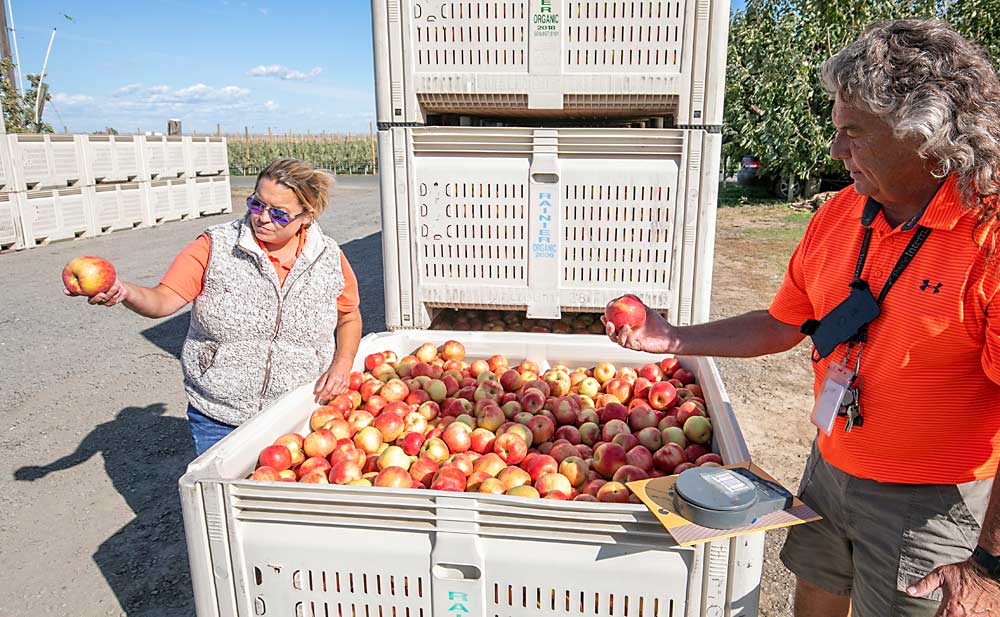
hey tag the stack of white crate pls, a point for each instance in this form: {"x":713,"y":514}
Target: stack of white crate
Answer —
{"x":579,"y":162}
{"x":59,"y":187}
{"x":517,"y":173}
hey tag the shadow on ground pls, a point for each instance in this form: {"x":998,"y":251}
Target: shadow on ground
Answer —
{"x":145,"y":452}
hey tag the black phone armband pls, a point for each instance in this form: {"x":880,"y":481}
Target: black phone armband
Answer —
{"x":845,"y":322}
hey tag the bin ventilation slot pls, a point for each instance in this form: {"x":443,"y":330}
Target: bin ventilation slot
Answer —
{"x":623,"y":104}
{"x":470,"y":103}
{"x":617,"y":234}
{"x":353,"y":609}
{"x":378,"y":585}
{"x":545,"y":601}
{"x":473,"y":231}
{"x":636,"y":35}
{"x":487,"y":35}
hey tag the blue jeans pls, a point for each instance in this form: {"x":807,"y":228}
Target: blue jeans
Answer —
{"x":205,"y":431}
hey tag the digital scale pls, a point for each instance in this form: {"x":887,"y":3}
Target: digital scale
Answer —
{"x":721,"y":498}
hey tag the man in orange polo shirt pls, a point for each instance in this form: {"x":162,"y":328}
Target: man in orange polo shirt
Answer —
{"x":907,"y":368}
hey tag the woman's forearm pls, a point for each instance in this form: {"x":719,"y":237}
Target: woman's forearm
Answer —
{"x":152,"y":302}
{"x":348,"y":339}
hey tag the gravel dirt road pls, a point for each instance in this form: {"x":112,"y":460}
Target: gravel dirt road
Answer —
{"x":93,"y":410}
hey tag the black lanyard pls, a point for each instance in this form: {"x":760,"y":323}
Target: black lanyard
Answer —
{"x":904,"y":260}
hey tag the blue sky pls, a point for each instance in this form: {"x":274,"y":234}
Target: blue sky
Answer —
{"x":299,"y":65}
{"x":132,"y":65}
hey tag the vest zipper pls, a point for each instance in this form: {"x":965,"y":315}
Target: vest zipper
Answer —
{"x":277,"y":328}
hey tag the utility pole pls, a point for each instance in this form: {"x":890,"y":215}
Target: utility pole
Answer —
{"x":371,"y":139}
{"x":43,"y":91}
{"x":8,"y":74}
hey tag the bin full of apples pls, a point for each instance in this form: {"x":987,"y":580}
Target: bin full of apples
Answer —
{"x":431,"y":420}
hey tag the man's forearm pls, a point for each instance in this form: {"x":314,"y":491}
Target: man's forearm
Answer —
{"x":749,"y":335}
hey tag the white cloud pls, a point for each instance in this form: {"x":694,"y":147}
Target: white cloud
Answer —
{"x":126,"y":90}
{"x":283,"y":72}
{"x":72,"y":100}
{"x":201,"y":92}
{"x":198,"y":93}
{"x":263,"y":11}
{"x":270,"y":105}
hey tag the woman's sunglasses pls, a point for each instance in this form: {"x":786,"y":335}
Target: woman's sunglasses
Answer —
{"x":279,"y":216}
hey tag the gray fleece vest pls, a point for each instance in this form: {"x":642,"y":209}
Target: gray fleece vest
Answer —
{"x":251,"y":339}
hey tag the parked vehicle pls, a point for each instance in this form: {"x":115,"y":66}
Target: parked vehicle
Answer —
{"x":751,"y":173}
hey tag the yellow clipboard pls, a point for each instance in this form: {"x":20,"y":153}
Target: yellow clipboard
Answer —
{"x":657,"y":495}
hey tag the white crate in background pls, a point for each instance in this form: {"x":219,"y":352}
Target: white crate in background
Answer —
{"x":11,"y":235}
{"x":51,"y":215}
{"x":261,"y":548}
{"x":210,"y":196}
{"x":121,"y":206}
{"x":207,"y":156}
{"x":572,"y":58}
{"x":547,"y":219}
{"x":164,"y":156}
{"x":114,"y":158}
{"x":8,"y":181}
{"x":170,"y":200}
{"x":47,"y":161}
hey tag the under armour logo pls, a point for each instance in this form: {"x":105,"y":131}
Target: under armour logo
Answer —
{"x":927,"y":285}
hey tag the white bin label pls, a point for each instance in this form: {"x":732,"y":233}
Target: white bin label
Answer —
{"x":542,"y":246}
{"x":728,"y":483}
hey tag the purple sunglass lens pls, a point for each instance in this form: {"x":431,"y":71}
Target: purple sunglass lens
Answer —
{"x":255,"y":206}
{"x":278,"y":216}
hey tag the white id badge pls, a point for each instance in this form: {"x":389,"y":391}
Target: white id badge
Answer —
{"x":827,"y":405}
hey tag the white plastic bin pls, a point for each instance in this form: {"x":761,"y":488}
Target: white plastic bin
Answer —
{"x":8,"y":181}
{"x":210,"y":196}
{"x":11,"y":236}
{"x":208,"y":156}
{"x":121,"y":206}
{"x":51,"y":215}
{"x":547,"y":220}
{"x":113,"y":158}
{"x":324,"y":550}
{"x":570,"y":58}
{"x":170,"y":200}
{"x":164,"y":156}
{"x":47,"y":161}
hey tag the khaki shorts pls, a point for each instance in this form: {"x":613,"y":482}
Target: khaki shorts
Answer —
{"x":877,"y":538}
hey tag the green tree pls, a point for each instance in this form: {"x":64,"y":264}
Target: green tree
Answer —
{"x":19,"y":111}
{"x":775,"y":106}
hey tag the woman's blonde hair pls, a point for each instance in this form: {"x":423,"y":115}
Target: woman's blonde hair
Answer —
{"x":310,"y":185}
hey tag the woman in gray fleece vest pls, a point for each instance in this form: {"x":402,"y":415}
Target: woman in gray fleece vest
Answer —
{"x":275,"y":304}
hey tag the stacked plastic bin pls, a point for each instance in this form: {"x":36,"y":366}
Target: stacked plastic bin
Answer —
{"x":536,"y":155}
{"x":548,"y":155}
{"x":59,"y":187}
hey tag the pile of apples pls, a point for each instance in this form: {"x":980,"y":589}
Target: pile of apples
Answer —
{"x":432,"y":421}
{"x":516,"y":321}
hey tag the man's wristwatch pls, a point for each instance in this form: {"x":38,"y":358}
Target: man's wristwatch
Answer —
{"x":988,"y":562}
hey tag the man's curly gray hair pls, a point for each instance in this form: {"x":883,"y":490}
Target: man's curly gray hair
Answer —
{"x":924,"y":79}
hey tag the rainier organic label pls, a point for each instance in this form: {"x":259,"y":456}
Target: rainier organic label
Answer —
{"x":544,"y":20}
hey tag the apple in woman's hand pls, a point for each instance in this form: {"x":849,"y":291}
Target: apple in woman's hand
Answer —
{"x":88,"y":276}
